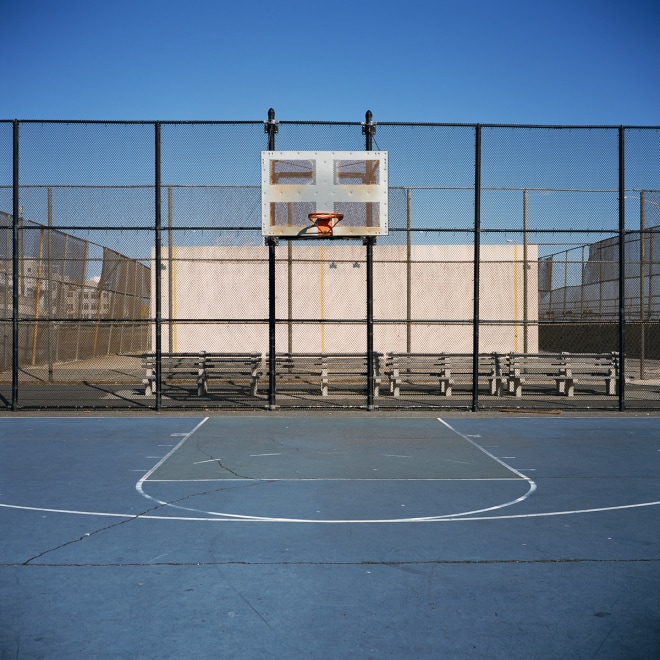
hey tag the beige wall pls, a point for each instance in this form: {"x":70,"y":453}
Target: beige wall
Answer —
{"x":328,"y":282}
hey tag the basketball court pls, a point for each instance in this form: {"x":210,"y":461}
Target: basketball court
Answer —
{"x":330,"y":536}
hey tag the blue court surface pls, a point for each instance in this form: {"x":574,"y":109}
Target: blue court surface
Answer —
{"x":330,"y":537}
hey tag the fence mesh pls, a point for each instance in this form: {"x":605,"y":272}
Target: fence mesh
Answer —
{"x":131,"y":237}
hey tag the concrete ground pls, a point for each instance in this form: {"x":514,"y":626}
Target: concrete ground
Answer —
{"x":329,"y":536}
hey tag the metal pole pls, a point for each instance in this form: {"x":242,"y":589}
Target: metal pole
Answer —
{"x":477,"y":257}
{"x":368,"y":130}
{"x":271,"y":128}
{"x":582,"y":279}
{"x":170,"y":273}
{"x":289,"y":303}
{"x":272,"y":345}
{"x":525,"y":276}
{"x":125,"y":310}
{"x":622,"y":271}
{"x":369,"y":241}
{"x":642,"y":321}
{"x":158,"y":265}
{"x":409,"y":271}
{"x":289,"y":268}
{"x":61,"y":303}
{"x":49,"y":253}
{"x":5,"y":357}
{"x":15,"y":267}
{"x":37,"y":297}
{"x":650,"y":292}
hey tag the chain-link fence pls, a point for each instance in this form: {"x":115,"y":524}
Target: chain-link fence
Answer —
{"x":67,"y":314}
{"x":520,"y":270}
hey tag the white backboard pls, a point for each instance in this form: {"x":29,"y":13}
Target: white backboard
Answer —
{"x":297,"y":183}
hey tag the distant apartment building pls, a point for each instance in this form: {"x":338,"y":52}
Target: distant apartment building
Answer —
{"x":88,"y":302}
{"x":69,"y":299}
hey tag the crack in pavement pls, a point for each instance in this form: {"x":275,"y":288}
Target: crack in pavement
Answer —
{"x":90,"y":534}
{"x":137,"y":516}
{"x":388,"y":564}
{"x":221,"y":464}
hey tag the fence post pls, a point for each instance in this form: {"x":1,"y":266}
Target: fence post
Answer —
{"x":157,"y":284}
{"x":408,"y":270}
{"x":170,"y":273}
{"x":525,"y":274}
{"x":15,"y":268}
{"x":622,"y":271}
{"x":477,"y":258}
{"x":642,"y":294}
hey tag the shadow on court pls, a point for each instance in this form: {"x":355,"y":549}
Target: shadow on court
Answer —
{"x":330,"y":537}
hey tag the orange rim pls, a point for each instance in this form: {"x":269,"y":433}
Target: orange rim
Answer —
{"x":326,"y":216}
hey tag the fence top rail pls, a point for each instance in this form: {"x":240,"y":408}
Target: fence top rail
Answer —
{"x":140,"y":122}
{"x":215,"y":186}
{"x":260,"y":122}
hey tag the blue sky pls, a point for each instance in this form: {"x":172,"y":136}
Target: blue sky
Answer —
{"x":512,"y":61}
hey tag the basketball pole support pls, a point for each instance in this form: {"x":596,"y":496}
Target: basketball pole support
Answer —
{"x":270,"y":128}
{"x":369,"y":242}
{"x":368,"y":130}
{"x":272,"y":326}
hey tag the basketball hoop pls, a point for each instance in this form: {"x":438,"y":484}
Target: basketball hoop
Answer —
{"x":296,"y":183}
{"x":325,"y":222}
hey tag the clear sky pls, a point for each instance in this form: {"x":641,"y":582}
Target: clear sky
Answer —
{"x":489,"y":61}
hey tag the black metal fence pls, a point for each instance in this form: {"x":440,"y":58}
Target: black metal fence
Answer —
{"x":520,"y":270}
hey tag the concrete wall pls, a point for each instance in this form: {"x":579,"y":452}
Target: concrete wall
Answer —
{"x":326,"y":283}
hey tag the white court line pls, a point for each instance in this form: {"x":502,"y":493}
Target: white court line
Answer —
{"x":480,"y":448}
{"x":103,"y":514}
{"x":139,"y":484}
{"x":137,"y":516}
{"x":225,"y":515}
{"x":367,"y":479}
